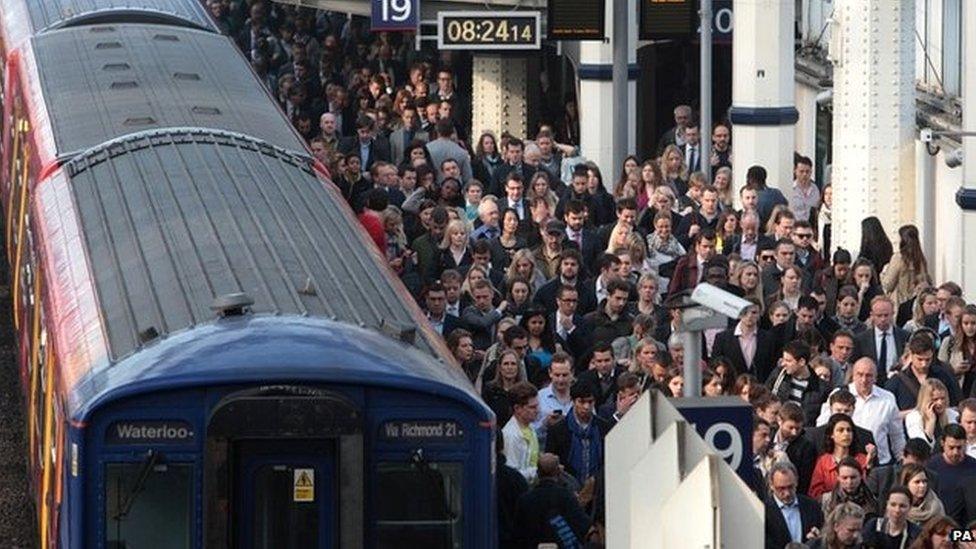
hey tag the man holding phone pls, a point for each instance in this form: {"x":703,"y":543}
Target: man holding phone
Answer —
{"x":554,"y":399}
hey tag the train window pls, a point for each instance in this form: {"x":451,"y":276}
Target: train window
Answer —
{"x":148,"y":504}
{"x":419,"y":505}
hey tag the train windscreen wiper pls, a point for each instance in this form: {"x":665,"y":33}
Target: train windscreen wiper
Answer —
{"x":152,"y":458}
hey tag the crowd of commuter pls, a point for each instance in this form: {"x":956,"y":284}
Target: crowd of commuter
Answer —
{"x":553,"y":282}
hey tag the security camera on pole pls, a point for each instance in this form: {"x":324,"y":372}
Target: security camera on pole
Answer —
{"x":708,"y":307}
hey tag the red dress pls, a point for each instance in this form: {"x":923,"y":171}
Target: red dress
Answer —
{"x":825,"y":474}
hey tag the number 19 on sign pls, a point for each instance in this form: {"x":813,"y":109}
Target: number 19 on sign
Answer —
{"x":395,"y":15}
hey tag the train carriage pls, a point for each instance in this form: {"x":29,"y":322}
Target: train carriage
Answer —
{"x":212,"y":351}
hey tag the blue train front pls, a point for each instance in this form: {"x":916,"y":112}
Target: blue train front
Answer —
{"x":265,"y":432}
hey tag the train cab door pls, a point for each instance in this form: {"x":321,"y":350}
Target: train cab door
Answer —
{"x":285,"y":494}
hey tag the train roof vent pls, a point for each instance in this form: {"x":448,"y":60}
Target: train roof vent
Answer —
{"x":166,"y":38}
{"x":115,"y":67}
{"x":404,"y":333}
{"x":149,"y":334}
{"x":205,"y":110}
{"x":236,"y":304}
{"x":102,"y":29}
{"x":113,"y":45}
{"x":124,"y":85}
{"x":139,"y":121}
{"x":186,"y":76}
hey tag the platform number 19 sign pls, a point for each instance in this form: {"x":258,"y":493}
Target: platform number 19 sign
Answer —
{"x":395,"y":15}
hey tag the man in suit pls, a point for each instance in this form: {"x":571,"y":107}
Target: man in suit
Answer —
{"x":385,"y":177}
{"x":578,"y":235}
{"x":602,"y":373}
{"x":785,"y":255}
{"x":514,"y":196}
{"x":884,"y":343}
{"x":481,"y":318}
{"x":410,"y":130}
{"x":569,"y":269}
{"x":371,"y":147}
{"x":746,"y":346}
{"x":444,"y":147}
{"x":676,"y":135}
{"x":706,"y":217}
{"x":436,"y":307}
{"x":907,"y":383}
{"x":569,"y":329}
{"x":805,"y":319}
{"x":692,"y":148}
{"x":611,"y":319}
{"x":790,"y":516}
{"x":514,"y":152}
{"x":688,"y":272}
{"x":956,"y":471}
{"x":789,"y":440}
{"x":748,"y":244}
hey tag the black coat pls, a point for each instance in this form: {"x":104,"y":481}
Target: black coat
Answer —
{"x":777,"y":533}
{"x":813,"y":397}
{"x":579,"y":341}
{"x":511,"y":486}
{"x":862,"y":437}
{"x":539,"y":505}
{"x":803,"y":455}
{"x":727,"y":344}
{"x":603,"y":394}
{"x":379,"y":149}
{"x":545,"y":296}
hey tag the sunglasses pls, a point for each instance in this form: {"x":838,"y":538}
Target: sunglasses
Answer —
{"x":767,"y":258}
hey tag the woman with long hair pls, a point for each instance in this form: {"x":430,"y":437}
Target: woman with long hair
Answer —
{"x":747,"y":278}
{"x":650,"y":179}
{"x":711,"y":383}
{"x":674,"y":172}
{"x":841,"y":528}
{"x":674,"y":382}
{"x":838,"y":444}
{"x":603,"y":208}
{"x":926,"y":303}
{"x":959,"y":351}
{"x":723,"y":183}
{"x":907,"y":272}
{"x":507,"y":374}
{"x":504,"y":246}
{"x":726,"y":228}
{"x":542,"y":344}
{"x":663,"y":247}
{"x":524,"y":265}
{"x":925,"y":503}
{"x":875,"y":245}
{"x":647,"y":365}
{"x":778,"y":313}
{"x":865,"y":277}
{"x":541,"y":187}
{"x":848,"y":307}
{"x":931,"y":414}
{"x":461,"y":345}
{"x":893,"y":529}
{"x":935,"y":534}
{"x":850,"y":488}
{"x":519,"y":298}
{"x":486,"y":157}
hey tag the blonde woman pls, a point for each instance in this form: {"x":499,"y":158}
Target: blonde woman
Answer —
{"x":747,"y":278}
{"x":723,"y":182}
{"x":931,"y":414}
{"x":523,"y":266}
{"x":455,"y":251}
{"x":674,"y":172}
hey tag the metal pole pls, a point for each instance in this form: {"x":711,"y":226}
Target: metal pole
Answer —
{"x":693,"y":353}
{"x":620,"y":115}
{"x":706,"y":88}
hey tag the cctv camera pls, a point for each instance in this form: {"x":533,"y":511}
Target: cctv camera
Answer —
{"x":719,"y":300}
{"x":954,"y":158}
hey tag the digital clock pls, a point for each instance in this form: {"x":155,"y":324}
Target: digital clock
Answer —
{"x":477,"y":30}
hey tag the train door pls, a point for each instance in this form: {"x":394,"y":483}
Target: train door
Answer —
{"x":285,"y":494}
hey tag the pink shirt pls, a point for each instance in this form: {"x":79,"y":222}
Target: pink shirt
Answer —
{"x":747,"y":342}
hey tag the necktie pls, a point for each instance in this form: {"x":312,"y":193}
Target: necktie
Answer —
{"x":693,"y":158}
{"x":883,"y":353}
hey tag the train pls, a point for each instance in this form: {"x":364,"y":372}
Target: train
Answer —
{"x":211,"y":350}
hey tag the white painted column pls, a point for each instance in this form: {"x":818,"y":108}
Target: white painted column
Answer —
{"x":966,"y":197}
{"x":873,"y":50}
{"x":499,"y":97}
{"x":763,"y":112}
{"x":596,"y":98}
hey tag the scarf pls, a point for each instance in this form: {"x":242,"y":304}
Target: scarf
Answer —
{"x":585,"y":462}
{"x":930,"y":507}
{"x":862,"y":496}
{"x":670,"y":247}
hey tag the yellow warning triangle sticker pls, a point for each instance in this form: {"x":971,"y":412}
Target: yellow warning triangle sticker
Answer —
{"x":303,"y":480}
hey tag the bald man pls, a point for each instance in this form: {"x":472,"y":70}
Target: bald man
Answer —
{"x":550,"y":498}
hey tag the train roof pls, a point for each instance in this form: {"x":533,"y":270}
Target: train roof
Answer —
{"x":104,"y":81}
{"x":264,"y":350}
{"x":54,"y":14}
{"x":169,"y":220}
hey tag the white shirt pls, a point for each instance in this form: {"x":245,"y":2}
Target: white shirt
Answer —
{"x":878,"y":413}
{"x":915,"y":426}
{"x":563,"y":332}
{"x":549,"y":403}
{"x":971,"y":449}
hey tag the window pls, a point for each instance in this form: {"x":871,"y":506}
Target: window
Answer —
{"x":419,"y":505}
{"x":149,"y":504}
{"x":938,"y":27}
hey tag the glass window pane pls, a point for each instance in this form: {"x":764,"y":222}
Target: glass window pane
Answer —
{"x":148,"y":506}
{"x":279,"y":521}
{"x":419,"y":505}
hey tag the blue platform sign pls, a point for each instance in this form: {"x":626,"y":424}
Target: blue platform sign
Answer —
{"x":726,"y":425}
{"x":395,"y":15}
